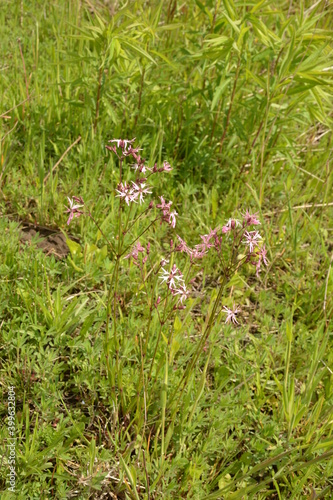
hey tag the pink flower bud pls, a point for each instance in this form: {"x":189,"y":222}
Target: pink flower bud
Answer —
{"x":111,"y":148}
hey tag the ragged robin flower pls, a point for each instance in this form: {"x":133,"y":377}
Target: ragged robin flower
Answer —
{"x":231,"y":315}
{"x":74,"y":209}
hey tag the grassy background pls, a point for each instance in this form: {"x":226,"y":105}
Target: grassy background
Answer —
{"x":237,"y":96}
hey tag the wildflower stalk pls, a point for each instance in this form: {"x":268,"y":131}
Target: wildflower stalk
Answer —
{"x":116,"y":342}
{"x":176,"y":282}
{"x":158,"y":340}
{"x":135,"y":220}
{"x":141,"y":383}
{"x":201,"y":343}
{"x":107,"y":336}
{"x":138,"y":237}
{"x":193,"y":362}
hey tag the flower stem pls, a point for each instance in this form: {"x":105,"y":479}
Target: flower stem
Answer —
{"x":200,"y":345}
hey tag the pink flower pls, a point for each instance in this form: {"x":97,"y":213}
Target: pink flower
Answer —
{"x":141,"y":167}
{"x":206,"y":239}
{"x":181,"y":291}
{"x":231,"y":314}
{"x":123,"y":144}
{"x":183,"y":247}
{"x":232,"y":223}
{"x":166,"y":166}
{"x":170,"y":277}
{"x":137,"y":247}
{"x":262,"y":258}
{"x":127,"y":193}
{"x":252,"y":238}
{"x":73,"y":209}
{"x":133,"y":151}
{"x":169,"y":217}
{"x":199,"y":251}
{"x":134,"y":254}
{"x":262,"y":255}
{"x":250,"y":219}
{"x":165,"y":207}
{"x":140,"y":190}
{"x":172,"y":218}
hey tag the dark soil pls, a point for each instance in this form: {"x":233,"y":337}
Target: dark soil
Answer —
{"x":51,"y":241}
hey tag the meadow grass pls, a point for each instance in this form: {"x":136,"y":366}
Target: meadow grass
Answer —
{"x":237,"y":96}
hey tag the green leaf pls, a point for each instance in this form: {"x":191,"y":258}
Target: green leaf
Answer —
{"x":74,"y":265}
{"x":136,"y":48}
{"x":218,"y":92}
{"x":177,"y":324}
{"x":129,"y":474}
{"x":74,"y":248}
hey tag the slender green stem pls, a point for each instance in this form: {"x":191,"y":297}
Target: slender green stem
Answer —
{"x":200,"y":345}
{"x":136,"y":239}
{"x":135,"y":220}
{"x":158,"y":338}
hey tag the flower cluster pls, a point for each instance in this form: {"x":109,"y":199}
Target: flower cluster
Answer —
{"x":137,"y":190}
{"x":169,"y":217}
{"x":136,"y":250}
{"x":256,"y":254}
{"x":175,"y":282}
{"x":122,"y":144}
{"x":230,"y":225}
{"x":238,"y":230}
{"x":125,"y":145}
{"x":208,"y":241}
{"x":131,"y":193}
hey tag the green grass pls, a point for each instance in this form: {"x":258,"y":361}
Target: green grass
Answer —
{"x":237,"y":96}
